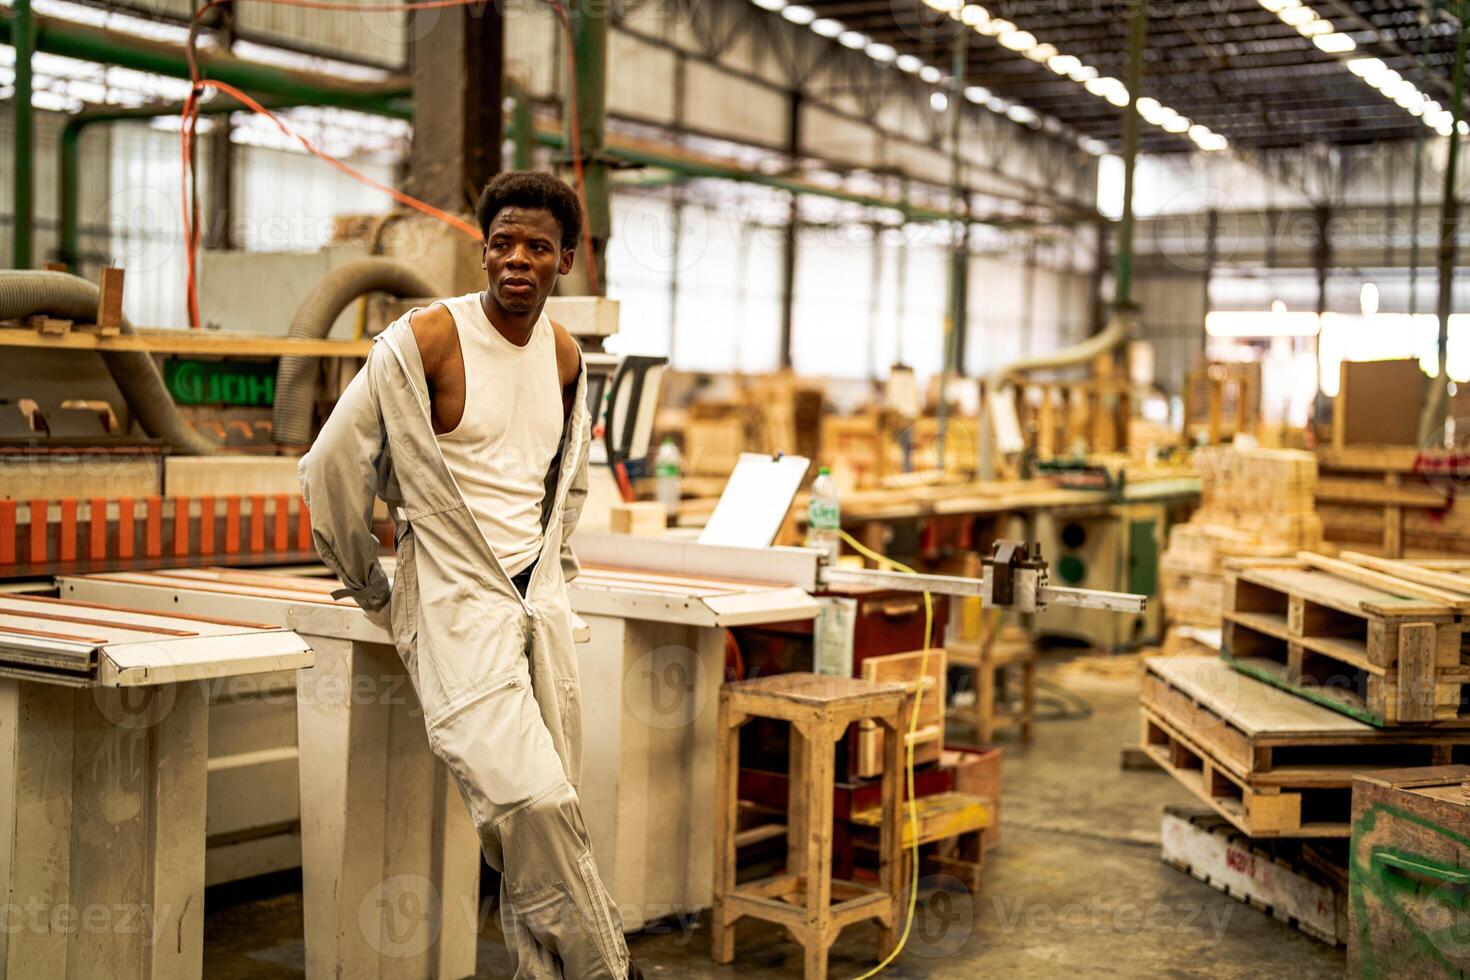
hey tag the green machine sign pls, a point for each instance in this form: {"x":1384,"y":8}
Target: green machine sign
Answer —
{"x":247,"y":383}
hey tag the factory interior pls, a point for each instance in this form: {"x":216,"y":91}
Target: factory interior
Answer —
{"x":1002,"y":518}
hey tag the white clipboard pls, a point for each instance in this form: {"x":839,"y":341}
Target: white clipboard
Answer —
{"x":755,"y":501}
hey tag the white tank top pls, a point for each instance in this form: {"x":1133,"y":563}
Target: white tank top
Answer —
{"x":510,"y":432}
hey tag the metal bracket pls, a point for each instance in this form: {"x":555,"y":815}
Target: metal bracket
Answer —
{"x":1015,"y":578}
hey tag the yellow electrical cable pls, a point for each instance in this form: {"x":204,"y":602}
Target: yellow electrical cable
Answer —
{"x":909,"y":754}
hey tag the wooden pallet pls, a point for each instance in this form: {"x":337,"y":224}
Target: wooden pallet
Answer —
{"x":1371,"y":645}
{"x":1387,"y":499}
{"x":1270,"y":762}
{"x":1266,"y":811}
{"x":1301,"y":884}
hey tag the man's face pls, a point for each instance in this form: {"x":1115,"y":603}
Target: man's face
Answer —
{"x":523,"y":255}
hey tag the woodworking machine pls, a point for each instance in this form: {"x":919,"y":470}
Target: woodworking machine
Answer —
{"x":1015,"y":576}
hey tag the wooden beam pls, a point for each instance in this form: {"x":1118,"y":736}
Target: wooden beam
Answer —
{"x":197,"y":342}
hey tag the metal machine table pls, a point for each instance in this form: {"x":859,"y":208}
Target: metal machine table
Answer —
{"x":651,"y":679}
{"x":104,"y":728}
{"x":390,"y":858}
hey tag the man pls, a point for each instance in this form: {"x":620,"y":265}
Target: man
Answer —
{"x":470,"y":420}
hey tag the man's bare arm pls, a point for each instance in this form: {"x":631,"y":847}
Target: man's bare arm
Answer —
{"x":568,"y":366}
{"x":438,"y":343}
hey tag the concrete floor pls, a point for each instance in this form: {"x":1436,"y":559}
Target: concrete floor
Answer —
{"x":1076,"y":889}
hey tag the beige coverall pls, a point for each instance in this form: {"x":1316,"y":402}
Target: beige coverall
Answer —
{"x":496,"y":673}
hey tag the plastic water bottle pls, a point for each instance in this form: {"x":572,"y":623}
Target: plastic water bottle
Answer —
{"x":824,"y":516}
{"x":666,"y":476}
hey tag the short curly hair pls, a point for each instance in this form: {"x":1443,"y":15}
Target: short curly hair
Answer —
{"x":532,"y":189}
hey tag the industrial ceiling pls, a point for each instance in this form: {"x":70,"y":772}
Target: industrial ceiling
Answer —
{"x":1259,"y":73}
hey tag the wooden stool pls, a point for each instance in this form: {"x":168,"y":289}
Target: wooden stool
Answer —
{"x":999,"y":650}
{"x":819,"y":709}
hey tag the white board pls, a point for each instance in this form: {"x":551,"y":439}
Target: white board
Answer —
{"x":755,"y":501}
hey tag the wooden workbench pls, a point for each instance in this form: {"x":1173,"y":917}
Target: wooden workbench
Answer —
{"x":974,"y":499}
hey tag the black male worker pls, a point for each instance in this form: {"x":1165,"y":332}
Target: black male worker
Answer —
{"x":470,"y":420}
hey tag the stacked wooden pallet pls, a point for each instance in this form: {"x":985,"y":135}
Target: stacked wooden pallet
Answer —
{"x":1394,"y":501}
{"x":1254,"y":502}
{"x":1357,"y":639}
{"x":1272,"y":764}
{"x":1341,"y":667}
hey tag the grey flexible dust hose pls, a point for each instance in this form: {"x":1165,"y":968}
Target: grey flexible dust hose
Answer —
{"x":1121,"y":328}
{"x":296,"y":377}
{"x":25,"y":293}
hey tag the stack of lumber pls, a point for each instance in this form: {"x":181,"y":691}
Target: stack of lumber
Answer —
{"x":1393,"y":501}
{"x":764,"y":414}
{"x":1254,"y":502}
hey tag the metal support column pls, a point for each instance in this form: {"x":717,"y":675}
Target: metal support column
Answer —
{"x":458,"y":55}
{"x":24,"y":39}
{"x":1028,"y":301}
{"x":1212,"y":255}
{"x":523,"y":126}
{"x":219,"y":231}
{"x":1321,"y":263}
{"x":793,"y":222}
{"x":1425,"y":18}
{"x":1436,"y":406}
{"x":589,"y":90}
{"x":1137,"y":39}
{"x":959,"y":253}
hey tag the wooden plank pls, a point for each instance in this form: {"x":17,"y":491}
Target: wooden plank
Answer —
{"x":288,"y":594}
{"x":1249,"y":703}
{"x":1326,"y":589}
{"x":906,"y":668}
{"x":1392,"y":583}
{"x":109,"y":302}
{"x":1203,"y":848}
{"x":126,"y":615}
{"x":1416,"y":672}
{"x":211,"y":343}
{"x":1412,"y":571}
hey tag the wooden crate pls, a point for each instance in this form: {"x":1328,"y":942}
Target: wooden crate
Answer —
{"x":904,"y":668}
{"x":977,"y":771}
{"x":1272,"y":764}
{"x":1300,"y":883}
{"x":948,"y":830}
{"x":1409,"y":874}
{"x":1373,"y":646}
